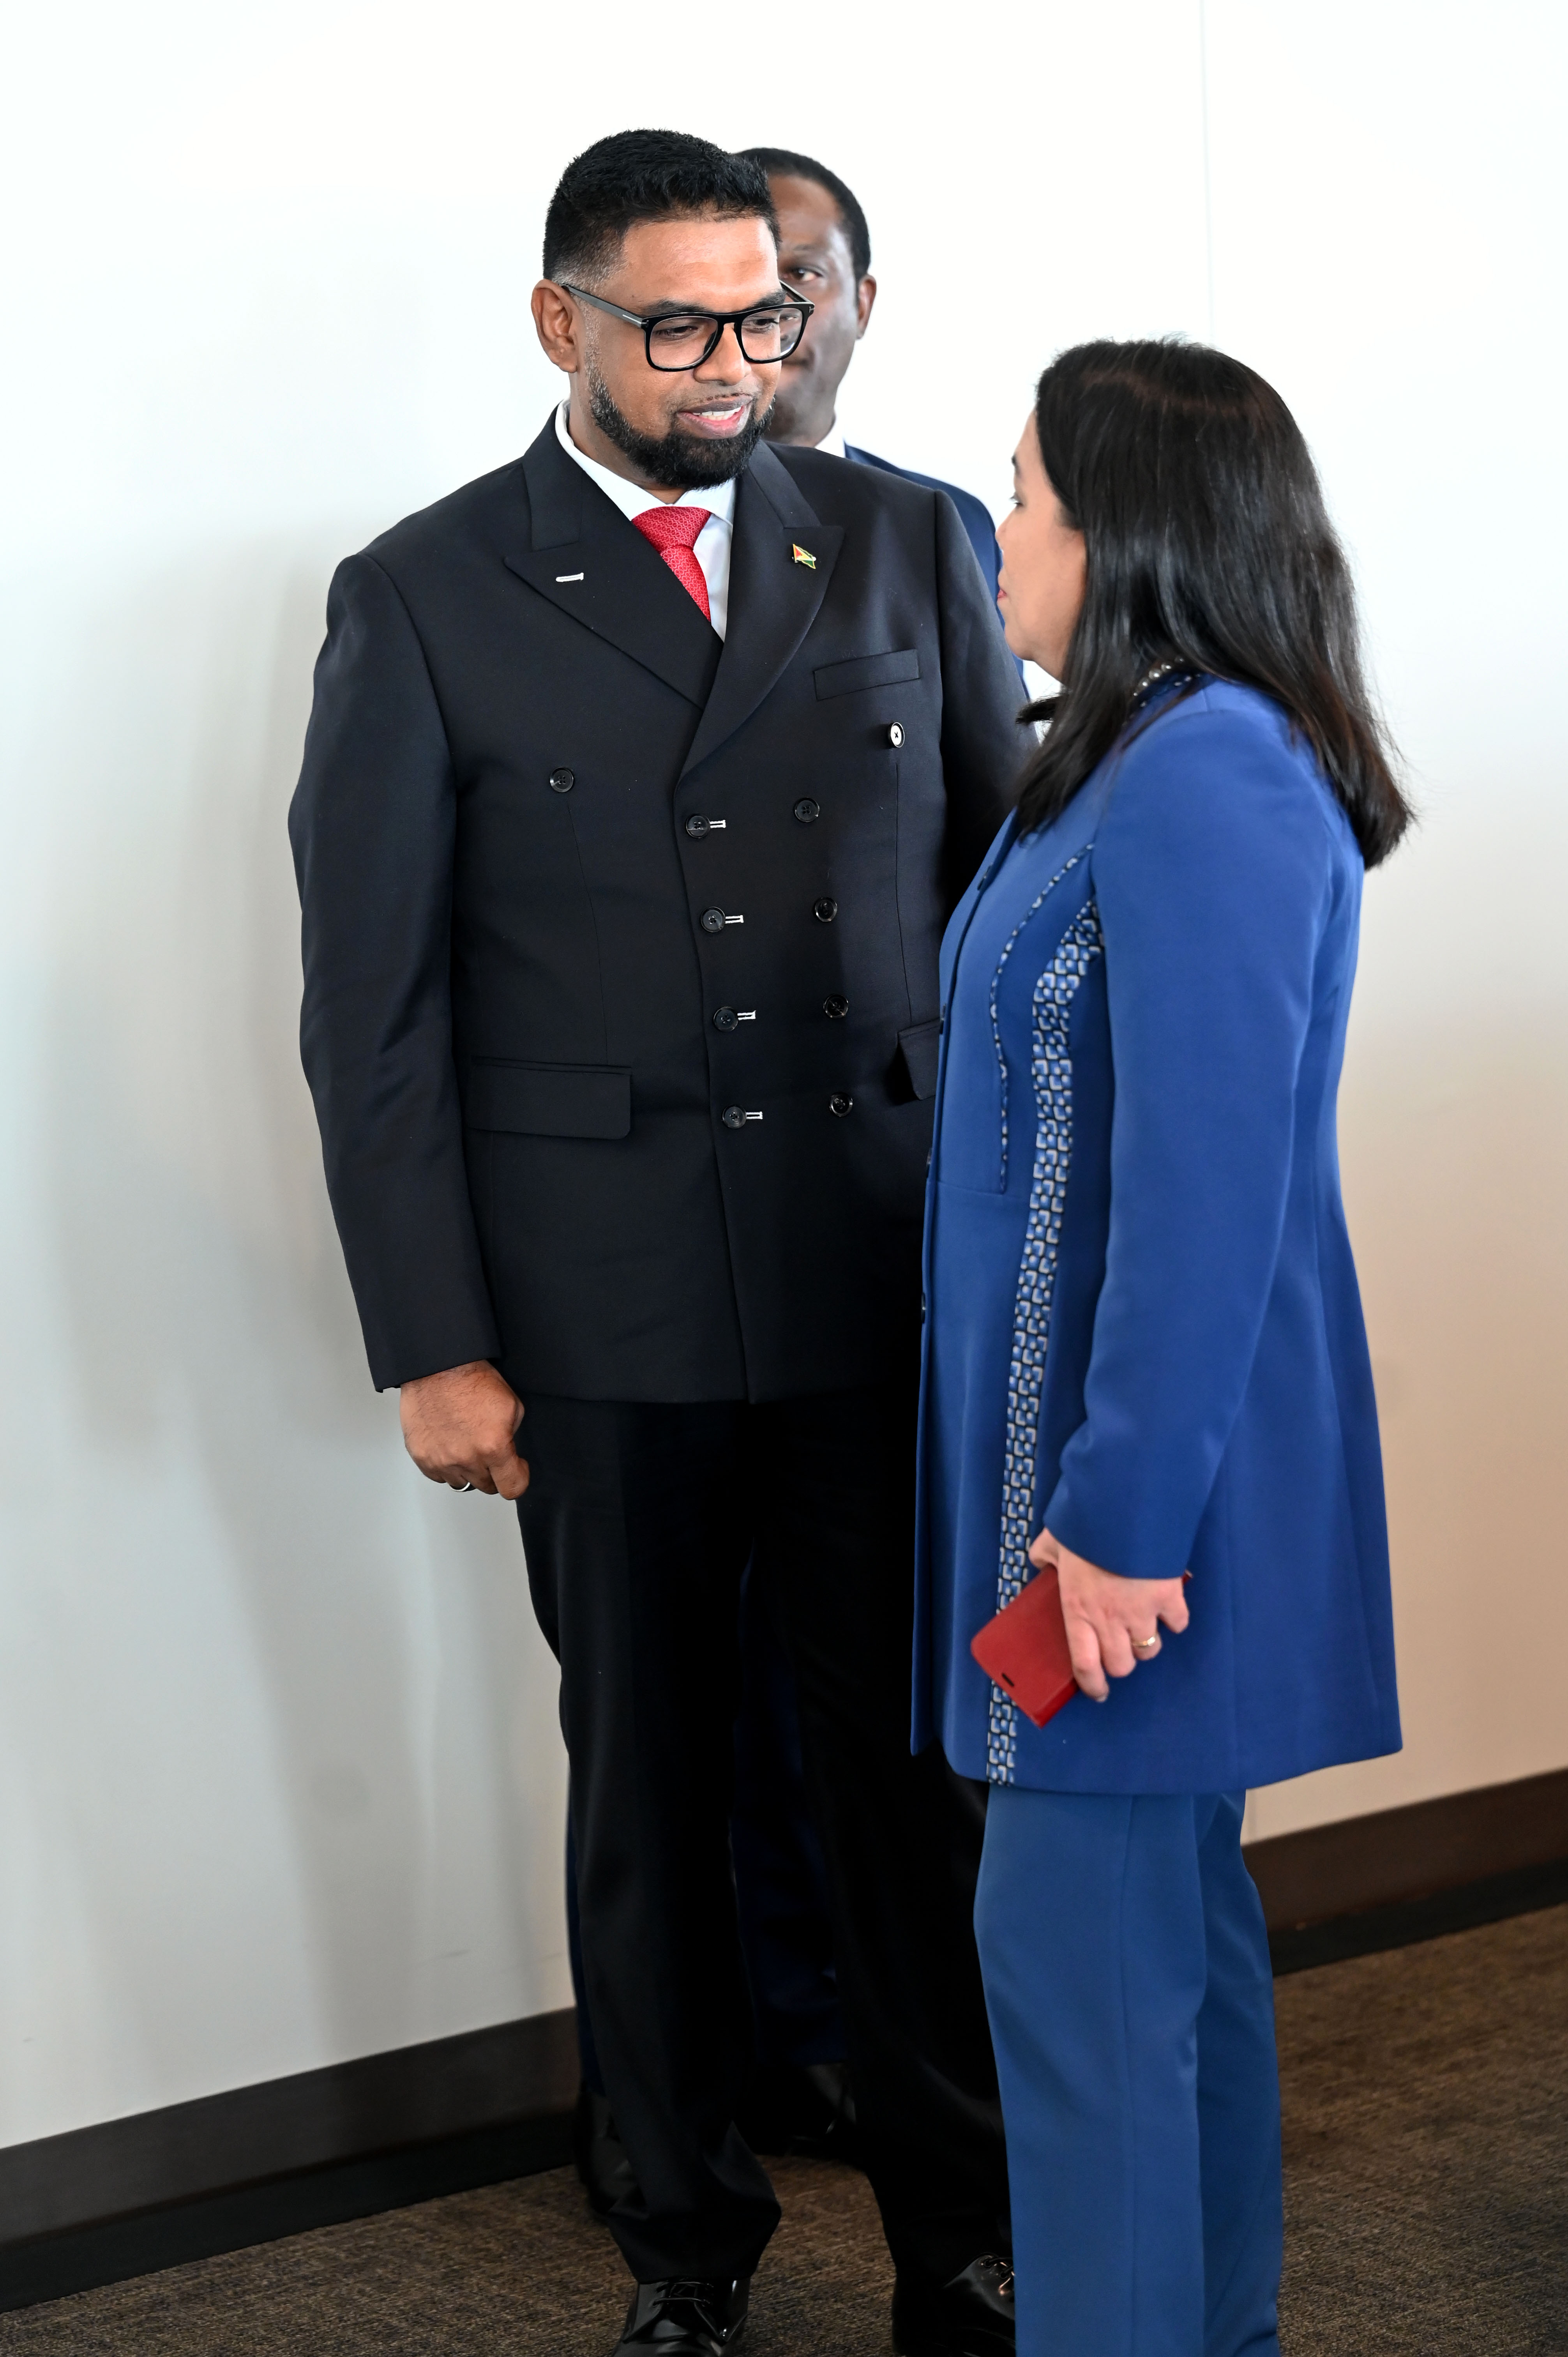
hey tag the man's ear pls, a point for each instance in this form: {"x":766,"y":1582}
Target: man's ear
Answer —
{"x":558,"y":326}
{"x":865,"y":297}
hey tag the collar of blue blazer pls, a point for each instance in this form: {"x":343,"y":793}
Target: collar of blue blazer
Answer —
{"x":582,"y":554}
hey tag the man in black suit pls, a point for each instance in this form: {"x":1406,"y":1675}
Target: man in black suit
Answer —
{"x":640,"y":779}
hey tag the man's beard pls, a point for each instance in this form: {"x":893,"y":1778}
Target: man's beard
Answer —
{"x":675,"y":461}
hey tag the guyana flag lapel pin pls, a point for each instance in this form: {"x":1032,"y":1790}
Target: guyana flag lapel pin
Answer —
{"x":804,"y":556}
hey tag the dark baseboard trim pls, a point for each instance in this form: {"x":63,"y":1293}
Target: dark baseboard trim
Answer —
{"x":1296,"y":1949}
{"x":1402,"y":1875}
{"x":89,"y":2256}
{"x":130,"y":2196}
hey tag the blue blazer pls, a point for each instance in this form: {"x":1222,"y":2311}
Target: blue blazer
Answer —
{"x":973,"y":515}
{"x":1144,"y":1327}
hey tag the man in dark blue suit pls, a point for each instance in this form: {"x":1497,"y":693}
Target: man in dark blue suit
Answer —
{"x":802,"y":2094}
{"x":824,"y":252}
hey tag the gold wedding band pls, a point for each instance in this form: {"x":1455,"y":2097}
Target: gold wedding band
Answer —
{"x":1143,"y":1644}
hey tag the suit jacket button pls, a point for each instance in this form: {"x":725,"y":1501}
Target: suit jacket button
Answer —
{"x":562,"y":781}
{"x":806,"y":810}
{"x":724,"y":1019}
{"x":712,"y":920}
{"x":732,"y":1117}
{"x":824,"y":911}
{"x":841,"y":1104}
{"x":696,"y":823}
{"x":835,"y":1008}
{"x":894,"y":736}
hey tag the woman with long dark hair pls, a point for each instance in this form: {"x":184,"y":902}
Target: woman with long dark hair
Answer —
{"x":1146,"y":1371}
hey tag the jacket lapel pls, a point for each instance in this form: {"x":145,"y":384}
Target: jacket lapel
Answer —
{"x":585,"y":558}
{"x":774,"y":595}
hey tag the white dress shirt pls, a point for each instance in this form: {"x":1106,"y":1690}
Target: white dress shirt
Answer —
{"x":833,"y":441}
{"x":711,"y":548}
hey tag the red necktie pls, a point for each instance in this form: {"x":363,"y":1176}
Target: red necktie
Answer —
{"x":672,"y":531}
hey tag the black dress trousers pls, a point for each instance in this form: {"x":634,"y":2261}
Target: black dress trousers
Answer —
{"x":638,"y":1524}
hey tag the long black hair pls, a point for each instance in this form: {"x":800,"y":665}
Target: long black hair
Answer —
{"x":1209,"y":550}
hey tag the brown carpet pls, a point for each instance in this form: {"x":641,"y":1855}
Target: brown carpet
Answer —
{"x":1426,"y":2155}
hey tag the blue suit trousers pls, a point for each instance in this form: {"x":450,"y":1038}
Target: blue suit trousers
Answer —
{"x":1127,"y":1975}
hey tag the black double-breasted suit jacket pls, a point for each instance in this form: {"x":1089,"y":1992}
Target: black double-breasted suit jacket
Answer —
{"x":620,"y":942}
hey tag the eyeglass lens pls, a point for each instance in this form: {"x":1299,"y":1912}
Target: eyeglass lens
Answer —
{"x":685,"y":340}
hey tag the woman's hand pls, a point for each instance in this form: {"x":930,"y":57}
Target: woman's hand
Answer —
{"x":1111,"y":1621}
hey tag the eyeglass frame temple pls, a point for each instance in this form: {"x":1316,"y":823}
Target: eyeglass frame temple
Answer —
{"x":724,"y":318}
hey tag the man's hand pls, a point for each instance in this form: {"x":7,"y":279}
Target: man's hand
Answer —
{"x":458,"y":1427}
{"x":1112,"y":1624}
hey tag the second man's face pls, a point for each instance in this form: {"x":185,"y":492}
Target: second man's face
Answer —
{"x":814,"y":260}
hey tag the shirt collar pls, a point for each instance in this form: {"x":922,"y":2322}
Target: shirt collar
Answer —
{"x":630,"y":498}
{"x":833,"y":441}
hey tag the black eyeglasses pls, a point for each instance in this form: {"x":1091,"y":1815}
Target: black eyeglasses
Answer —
{"x":684,"y":339}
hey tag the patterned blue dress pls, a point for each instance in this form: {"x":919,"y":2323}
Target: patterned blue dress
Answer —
{"x":1143,"y":1322}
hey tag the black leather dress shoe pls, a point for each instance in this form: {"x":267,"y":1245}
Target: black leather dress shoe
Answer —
{"x":685,"y":2318}
{"x":969,"y":2316}
{"x":599,"y":2153}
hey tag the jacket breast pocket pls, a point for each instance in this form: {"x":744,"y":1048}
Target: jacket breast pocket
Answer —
{"x":867,"y":670}
{"x":549,"y":1099}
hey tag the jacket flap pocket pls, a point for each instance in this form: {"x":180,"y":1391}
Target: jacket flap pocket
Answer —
{"x":549,"y":1099}
{"x":918,"y":1047}
{"x":867,"y":670}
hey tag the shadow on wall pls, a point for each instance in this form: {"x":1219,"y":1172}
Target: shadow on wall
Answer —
{"x":1453,"y":1131}
{"x":391,"y":1761}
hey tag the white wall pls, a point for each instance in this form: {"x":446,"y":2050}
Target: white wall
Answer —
{"x":279,"y":1779}
{"x":1389,"y":189}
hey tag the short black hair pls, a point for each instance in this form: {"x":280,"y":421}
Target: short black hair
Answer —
{"x":638,"y":176}
{"x":785,"y":162}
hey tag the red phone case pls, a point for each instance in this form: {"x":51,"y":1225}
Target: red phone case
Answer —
{"x":1024,"y":1650}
